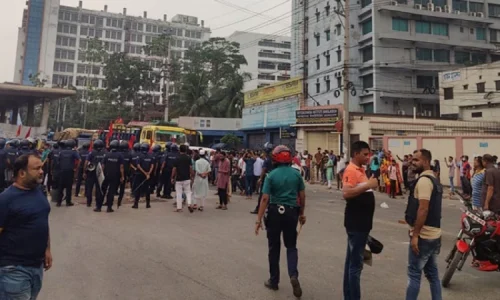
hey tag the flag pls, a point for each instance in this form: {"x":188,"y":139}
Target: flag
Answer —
{"x":109,"y":135}
{"x":131,"y":141}
{"x":28,"y":133}
{"x":18,"y":130}
{"x":91,"y":145}
{"x":339,"y":125}
{"x":119,"y":121}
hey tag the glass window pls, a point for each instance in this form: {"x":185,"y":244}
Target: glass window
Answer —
{"x":424,"y":54}
{"x":440,"y":29}
{"x":425,"y":81}
{"x":327,"y":33}
{"x":476,"y":7}
{"x":462,"y":57}
{"x":399,"y":24}
{"x":367,"y":26}
{"x":441,"y":55}
{"x":493,"y":10}
{"x":460,"y":5}
{"x":365,"y":3}
{"x":423,"y":27}
{"x":367,"y":54}
{"x":481,"y":34}
{"x":368,"y":81}
{"x":478,"y":58}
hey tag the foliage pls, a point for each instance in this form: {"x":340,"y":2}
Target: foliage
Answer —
{"x":211,"y":82}
{"x":38,"y":80}
{"x":231,"y":140}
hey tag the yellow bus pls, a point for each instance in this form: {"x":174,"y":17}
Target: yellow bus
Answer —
{"x":160,"y":135}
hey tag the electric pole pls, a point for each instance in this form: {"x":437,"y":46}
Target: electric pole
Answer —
{"x":346,"y":117}
{"x":165,"y":78}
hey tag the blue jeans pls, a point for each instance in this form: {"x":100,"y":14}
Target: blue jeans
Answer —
{"x":426,"y":261}
{"x":356,"y":242}
{"x":452,"y":185}
{"x":20,"y":283}
{"x":249,"y":185}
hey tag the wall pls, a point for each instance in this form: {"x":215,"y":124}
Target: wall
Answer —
{"x":18,"y":68}
{"x":270,"y":114}
{"x":10,"y":131}
{"x":48,"y":41}
{"x":227,"y":124}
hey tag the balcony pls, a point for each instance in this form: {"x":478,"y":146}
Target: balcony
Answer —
{"x":435,"y":12}
{"x":410,"y":94}
{"x":435,"y":40}
{"x":419,"y":65}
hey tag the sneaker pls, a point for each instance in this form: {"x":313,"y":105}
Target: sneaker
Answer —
{"x":268,"y":284}
{"x":297,"y":290}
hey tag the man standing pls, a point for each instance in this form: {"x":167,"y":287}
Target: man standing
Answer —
{"x":357,"y":189}
{"x":24,"y":232}
{"x":266,"y":169}
{"x":68,"y":162}
{"x":114,"y":174}
{"x":144,"y":168}
{"x":181,"y":176}
{"x":282,"y":187}
{"x":223,"y":175}
{"x":84,"y":152}
{"x":318,"y":157}
{"x":423,"y":214}
{"x":200,"y":185}
{"x":491,"y":185}
{"x":89,"y":172}
{"x":127,"y":160}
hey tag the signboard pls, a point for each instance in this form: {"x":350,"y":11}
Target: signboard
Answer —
{"x":452,"y":76}
{"x":317,"y":116}
{"x":276,"y":91}
{"x":483,"y":145}
{"x":407,"y":143}
{"x":288,"y":133}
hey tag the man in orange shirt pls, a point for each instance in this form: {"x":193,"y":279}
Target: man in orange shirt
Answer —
{"x":358,"y":219}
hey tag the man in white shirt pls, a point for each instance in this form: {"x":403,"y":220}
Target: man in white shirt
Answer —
{"x":241,"y":169}
{"x":341,"y":164}
{"x":257,"y":171}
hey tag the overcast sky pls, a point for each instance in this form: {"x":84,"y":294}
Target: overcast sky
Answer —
{"x":214,"y":12}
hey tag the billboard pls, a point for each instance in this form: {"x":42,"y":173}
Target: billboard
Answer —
{"x":272,"y":114}
{"x":279,"y":90}
{"x":317,"y":116}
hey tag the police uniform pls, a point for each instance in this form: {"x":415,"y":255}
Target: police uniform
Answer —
{"x":141,"y":184}
{"x":283,"y":185}
{"x":95,"y":157}
{"x":156,"y":155}
{"x":3,"y":164}
{"x":169,"y":161}
{"x":84,"y":153}
{"x":127,"y":160}
{"x":113,"y":166}
{"x":68,"y":158}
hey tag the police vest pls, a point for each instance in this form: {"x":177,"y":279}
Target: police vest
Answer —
{"x":83,"y":156}
{"x":146,"y":161}
{"x":112,"y":162}
{"x":54,"y":159}
{"x":171,"y":158}
{"x":67,"y":160}
{"x":434,"y":214}
{"x":3,"y":159}
{"x":97,"y":157}
{"x":127,"y":157}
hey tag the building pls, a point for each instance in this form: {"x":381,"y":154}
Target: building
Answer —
{"x":268,"y":58}
{"x":396,"y":49}
{"x":471,"y":93}
{"x":52,"y":38}
{"x":269,"y":114}
{"x":212,"y":129}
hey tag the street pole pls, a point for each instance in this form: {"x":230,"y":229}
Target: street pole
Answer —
{"x":86,"y":98}
{"x":166,"y":82}
{"x":346,"y":117}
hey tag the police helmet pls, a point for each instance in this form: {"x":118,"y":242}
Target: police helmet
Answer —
{"x":144,"y":147}
{"x":86,"y":146}
{"x":114,"y":145}
{"x":24,"y":144}
{"x":174,"y":148}
{"x":61,"y":143}
{"x":123,"y":145}
{"x":55,"y":146}
{"x":156,"y":148}
{"x":70,"y":144}
{"x":168,"y":146}
{"x":137,"y":147}
{"x":268,"y":147}
{"x":3,"y":142}
{"x":98,"y":144}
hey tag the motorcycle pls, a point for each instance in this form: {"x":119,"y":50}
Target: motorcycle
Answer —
{"x":480,"y":235}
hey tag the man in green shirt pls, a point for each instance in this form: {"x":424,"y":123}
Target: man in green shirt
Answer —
{"x":284,"y":192}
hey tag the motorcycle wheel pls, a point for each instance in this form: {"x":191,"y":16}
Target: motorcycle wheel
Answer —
{"x":448,"y":274}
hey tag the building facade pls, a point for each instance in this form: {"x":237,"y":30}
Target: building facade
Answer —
{"x":471,"y":93}
{"x":268,"y":58}
{"x":395,"y":48}
{"x":212,"y":129}
{"x":52,"y":39}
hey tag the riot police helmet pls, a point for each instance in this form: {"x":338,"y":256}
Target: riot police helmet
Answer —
{"x":55,"y":146}
{"x":3,"y":142}
{"x":24,"y":144}
{"x":61,"y":143}
{"x":114,"y":145}
{"x":86,"y":146}
{"x":174,"y":148}
{"x":156,"y":148}
{"x":98,"y":144}
{"x":70,"y":144}
{"x":268,"y":147}
{"x":124,"y":145}
{"x":137,"y":147}
{"x":168,"y":146}
{"x":144,"y":147}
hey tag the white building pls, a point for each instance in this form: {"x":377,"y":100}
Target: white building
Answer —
{"x":471,"y":93}
{"x":268,"y":57}
{"x":396,"y":49}
{"x":52,"y":38}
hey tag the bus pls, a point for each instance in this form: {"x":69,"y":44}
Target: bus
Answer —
{"x":160,"y":135}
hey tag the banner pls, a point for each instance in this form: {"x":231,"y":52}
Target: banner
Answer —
{"x":317,"y":116}
{"x":276,"y":91}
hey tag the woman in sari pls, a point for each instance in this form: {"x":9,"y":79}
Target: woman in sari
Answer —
{"x":329,"y":172}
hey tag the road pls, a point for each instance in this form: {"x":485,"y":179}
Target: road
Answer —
{"x":158,"y":254}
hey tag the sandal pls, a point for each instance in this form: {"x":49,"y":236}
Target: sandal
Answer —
{"x":219,"y":207}
{"x":224,"y":208}
{"x":190,"y":209}
{"x":178,"y":210}
{"x":200,"y":208}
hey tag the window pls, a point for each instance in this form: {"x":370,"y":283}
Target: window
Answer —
{"x":317,"y":16}
{"x":493,"y":35}
{"x":262,"y":64}
{"x":459,"y":5}
{"x":339,"y":55}
{"x":462,"y":57}
{"x":478,"y":58}
{"x":367,"y":54}
{"x":318,"y":87}
{"x":328,"y":85}
{"x":327,"y":34}
{"x":317,"y":39}
{"x":481,"y":34}
{"x":478,"y":114}
{"x":368,"y":81}
{"x":306,"y":46}
{"x":365,"y":3}
{"x":448,"y":93}
{"x":202,"y":123}
{"x":208,"y":123}
{"x":425,"y":81}
{"x":274,"y":44}
{"x":476,"y":7}
{"x":424,"y":54}
{"x":318,"y":63}
{"x":339,"y":82}
{"x":422,"y":27}
{"x":306,"y":24}
{"x":338,"y":29}
{"x":440,"y":29}
{"x":399,"y":24}
{"x":284,"y":67}
{"x":327,"y":9}
{"x":327,"y":59}
{"x":497,"y":85}
{"x":466,"y":86}
{"x":480,"y":87}
{"x":441,"y":55}
{"x":493,"y":10}
{"x":366,"y":26}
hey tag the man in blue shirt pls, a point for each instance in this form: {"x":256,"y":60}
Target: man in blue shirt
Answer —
{"x":24,"y":232}
{"x":266,"y":169}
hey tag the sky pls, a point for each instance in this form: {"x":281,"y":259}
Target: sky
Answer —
{"x":222,"y":16}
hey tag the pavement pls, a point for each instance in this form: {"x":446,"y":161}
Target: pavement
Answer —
{"x":159,"y":254}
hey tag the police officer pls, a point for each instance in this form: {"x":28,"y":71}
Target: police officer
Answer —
{"x":144,"y":169}
{"x":134,"y":155}
{"x":282,"y":187}
{"x":94,"y":158}
{"x":68,"y":161}
{"x":84,"y":153}
{"x":127,"y":157}
{"x":3,"y":164}
{"x":266,"y":169}
{"x":164,"y":181}
{"x":156,"y":155}
{"x":24,"y":147}
{"x":113,"y":174}
{"x":169,"y":166}
{"x":50,"y":165}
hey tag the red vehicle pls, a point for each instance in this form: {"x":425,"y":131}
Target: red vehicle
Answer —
{"x":479,"y":236}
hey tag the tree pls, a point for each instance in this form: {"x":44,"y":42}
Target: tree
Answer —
{"x":38,"y":79}
{"x":231,"y":140}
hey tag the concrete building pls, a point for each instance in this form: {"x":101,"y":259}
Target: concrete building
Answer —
{"x":212,"y":129}
{"x":471,"y":93}
{"x":52,"y":38}
{"x":268,"y":58}
{"x":396,"y":49}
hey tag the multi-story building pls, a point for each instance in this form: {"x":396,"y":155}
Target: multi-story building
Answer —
{"x":396,"y":49}
{"x":53,"y":38}
{"x":268,"y":58}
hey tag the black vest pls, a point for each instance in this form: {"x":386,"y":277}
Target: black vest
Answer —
{"x":145,"y":161}
{"x":54,"y":159}
{"x":3,"y":159}
{"x":434,"y":214}
{"x":83,"y":157}
{"x":67,"y":160}
{"x":112,"y":162}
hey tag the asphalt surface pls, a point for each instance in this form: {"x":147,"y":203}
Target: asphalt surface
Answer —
{"x":159,"y":254}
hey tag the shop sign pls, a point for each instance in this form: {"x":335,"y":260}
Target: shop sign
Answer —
{"x":288,"y":133}
{"x":279,"y":90}
{"x":317,"y":116}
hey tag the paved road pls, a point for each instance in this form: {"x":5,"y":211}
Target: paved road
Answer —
{"x":158,"y":254}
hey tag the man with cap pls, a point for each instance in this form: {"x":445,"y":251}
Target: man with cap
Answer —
{"x":90,"y":173}
{"x":281,"y":189}
{"x":68,"y":162}
{"x":200,"y":185}
{"x":127,"y":160}
{"x":143,"y":169}
{"x":112,"y":167}
{"x":168,"y":166}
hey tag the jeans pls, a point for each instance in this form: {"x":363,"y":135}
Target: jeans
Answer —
{"x":452,"y":185}
{"x":20,"y":283}
{"x":426,"y":261}
{"x":222,"y":196}
{"x":356,"y":242}
{"x":307,"y":173}
{"x":393,"y":188}
{"x":249,"y":185}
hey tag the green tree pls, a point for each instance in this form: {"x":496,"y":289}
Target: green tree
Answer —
{"x":231,"y":140}
{"x":38,"y":79}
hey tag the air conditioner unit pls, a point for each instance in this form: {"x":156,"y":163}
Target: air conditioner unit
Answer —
{"x":395,"y":3}
{"x":457,"y":12}
{"x":447,"y":8}
{"x":401,"y":112}
{"x":480,"y":15}
{"x":327,"y":78}
{"x":438,"y":9}
{"x":472,"y":14}
{"x":430,"y":6}
{"x":418,"y":6}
